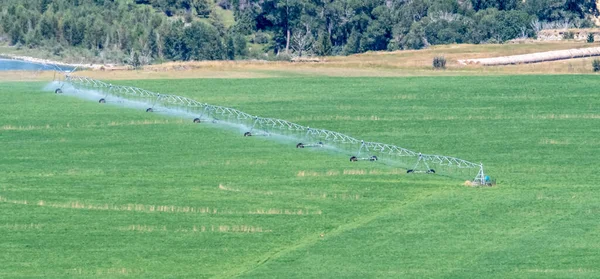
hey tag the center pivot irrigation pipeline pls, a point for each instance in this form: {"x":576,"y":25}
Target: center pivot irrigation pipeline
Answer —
{"x":414,"y":162}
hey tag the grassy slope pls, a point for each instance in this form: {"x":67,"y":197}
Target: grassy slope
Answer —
{"x":371,"y":64}
{"x":537,"y":135}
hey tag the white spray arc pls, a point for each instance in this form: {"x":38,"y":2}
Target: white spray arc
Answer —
{"x":198,"y":112}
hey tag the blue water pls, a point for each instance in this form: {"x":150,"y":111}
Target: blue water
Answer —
{"x":12,"y":65}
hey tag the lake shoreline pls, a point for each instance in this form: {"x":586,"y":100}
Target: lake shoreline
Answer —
{"x":30,"y":59}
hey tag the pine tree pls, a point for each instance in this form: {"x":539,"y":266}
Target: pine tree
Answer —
{"x":135,"y":62}
{"x":230,"y":52}
{"x":202,"y":8}
{"x":323,"y":46}
{"x":241,"y":46}
{"x":216,"y":20}
{"x":16,"y":35}
{"x":353,"y":44}
{"x":153,"y":44}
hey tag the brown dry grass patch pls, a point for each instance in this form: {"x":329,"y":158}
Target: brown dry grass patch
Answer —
{"x":21,"y":227}
{"x":554,"y":142}
{"x":146,"y":208}
{"x":335,"y":196}
{"x":112,"y":271}
{"x":370,"y":64}
{"x":195,"y":229}
{"x":309,"y":173}
{"x":26,"y":76}
{"x":94,"y":125}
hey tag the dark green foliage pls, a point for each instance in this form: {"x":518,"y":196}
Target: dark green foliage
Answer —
{"x":57,"y":50}
{"x":596,"y":65}
{"x":447,"y":32}
{"x":217,"y":22}
{"x":557,"y":10}
{"x":16,"y":35}
{"x":439,"y":62}
{"x":353,"y":44}
{"x":501,"y":26}
{"x":153,"y":44}
{"x":230,"y":48}
{"x":201,"y":42}
{"x":323,"y":45}
{"x":135,"y":61}
{"x":376,"y":37}
{"x":202,"y":7}
{"x":294,"y":27}
{"x":414,"y":38}
{"x":569,"y":35}
{"x":173,"y":41}
{"x":241,"y":46}
{"x":260,"y":38}
{"x":33,"y":39}
{"x":498,"y":4}
{"x":590,"y":38}
{"x":188,"y":17}
{"x":245,"y":23}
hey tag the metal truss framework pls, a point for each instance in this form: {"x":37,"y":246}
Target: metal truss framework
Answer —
{"x":272,"y":124}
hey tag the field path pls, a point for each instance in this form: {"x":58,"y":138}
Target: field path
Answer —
{"x":311,"y":240}
{"x":535,"y":57}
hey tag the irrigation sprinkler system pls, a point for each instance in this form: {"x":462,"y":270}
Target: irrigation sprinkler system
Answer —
{"x":413,"y":162}
{"x":306,"y":145}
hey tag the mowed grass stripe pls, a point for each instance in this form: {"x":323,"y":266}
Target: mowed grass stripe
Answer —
{"x":306,"y":243}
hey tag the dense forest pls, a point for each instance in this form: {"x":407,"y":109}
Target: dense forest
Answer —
{"x":273,"y":29}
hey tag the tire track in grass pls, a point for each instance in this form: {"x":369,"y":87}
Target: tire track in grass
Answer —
{"x":311,"y":240}
{"x":470,"y":262}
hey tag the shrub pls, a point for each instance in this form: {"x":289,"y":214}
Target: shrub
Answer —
{"x":260,"y":38}
{"x":590,"y":38}
{"x":281,"y":57}
{"x":188,"y":17}
{"x":439,"y":62}
{"x":58,"y":50}
{"x":568,"y":35}
{"x":135,"y":61}
{"x":225,"y":4}
{"x":596,"y":65}
{"x":337,"y":50}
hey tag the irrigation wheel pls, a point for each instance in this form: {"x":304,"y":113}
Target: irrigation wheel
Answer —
{"x":102,"y":101}
{"x":299,"y":145}
{"x":149,"y":110}
{"x":58,"y":91}
{"x":353,"y":159}
{"x":196,"y":120}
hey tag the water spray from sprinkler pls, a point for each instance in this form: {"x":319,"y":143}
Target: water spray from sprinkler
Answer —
{"x":414,"y":162}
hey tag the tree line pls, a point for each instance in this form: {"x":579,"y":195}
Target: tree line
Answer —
{"x":196,"y":30}
{"x":353,"y":26}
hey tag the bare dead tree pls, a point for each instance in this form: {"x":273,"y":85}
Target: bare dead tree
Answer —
{"x":536,"y":25}
{"x":302,"y":41}
{"x":523,"y":32}
{"x":566,"y":23}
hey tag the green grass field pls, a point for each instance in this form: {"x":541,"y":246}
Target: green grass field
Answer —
{"x":89,"y":190}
